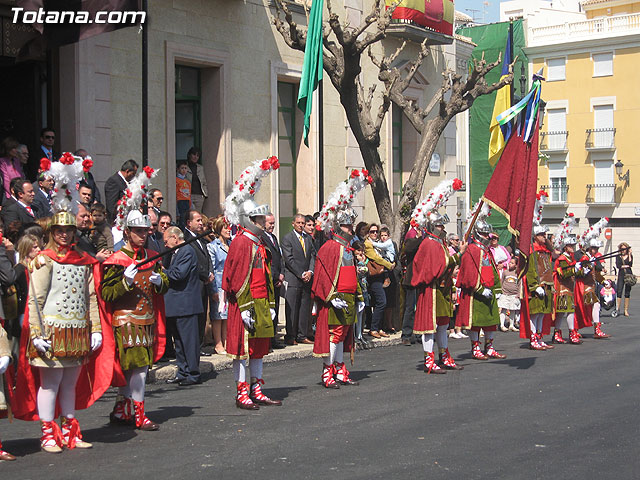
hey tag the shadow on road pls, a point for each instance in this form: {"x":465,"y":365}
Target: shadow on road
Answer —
{"x":280,"y":393}
{"x":360,"y":375}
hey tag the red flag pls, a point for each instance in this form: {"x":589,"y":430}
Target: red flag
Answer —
{"x":512,"y":187}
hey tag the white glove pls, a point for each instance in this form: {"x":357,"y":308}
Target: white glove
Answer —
{"x":360,"y":306}
{"x":156,"y":279}
{"x":498,"y":295}
{"x":222,"y":301}
{"x":41,"y":344}
{"x":540,"y":291}
{"x":578,"y":266}
{"x":273,"y":314}
{"x":314,"y":309}
{"x":130,"y":273}
{"x":338,"y":303}
{"x":248,"y":321}
{"x":4,"y":363}
{"x":486,"y":293}
{"x":586,"y":271}
{"x":96,"y":341}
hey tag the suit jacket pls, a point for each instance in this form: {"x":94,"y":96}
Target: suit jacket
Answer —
{"x":41,"y":201}
{"x":84,"y":243}
{"x":277,"y":262}
{"x":184,"y":284}
{"x":114,"y":188}
{"x":204,"y":260}
{"x":12,"y":211}
{"x":296,"y":260}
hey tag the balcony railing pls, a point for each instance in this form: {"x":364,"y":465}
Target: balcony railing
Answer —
{"x":557,"y":194}
{"x":601,"y":194}
{"x":588,"y":29}
{"x":600,"y":139}
{"x":554,"y":142}
{"x":461,"y":173}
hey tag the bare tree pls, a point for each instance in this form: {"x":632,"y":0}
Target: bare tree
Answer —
{"x":344,"y":46}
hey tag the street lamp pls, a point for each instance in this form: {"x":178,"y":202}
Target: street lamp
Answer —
{"x":619,"y":166}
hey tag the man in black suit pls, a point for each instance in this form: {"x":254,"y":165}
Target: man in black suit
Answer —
{"x":115,"y":186}
{"x":195,"y":227}
{"x":277,"y":270}
{"x":19,"y":207}
{"x":297,"y":252}
{"x":42,"y":195}
{"x":184,"y":286}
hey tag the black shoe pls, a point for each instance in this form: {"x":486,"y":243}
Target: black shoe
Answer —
{"x":174,"y":380}
{"x":277,"y":345}
{"x":205,"y":354}
{"x":187,"y":382}
{"x":406,"y":342}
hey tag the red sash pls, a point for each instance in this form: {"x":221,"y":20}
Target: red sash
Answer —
{"x":347,"y":280}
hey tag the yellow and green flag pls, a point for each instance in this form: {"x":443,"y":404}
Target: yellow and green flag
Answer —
{"x":501,"y":133}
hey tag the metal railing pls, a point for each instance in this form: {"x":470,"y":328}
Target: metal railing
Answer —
{"x":554,"y":141}
{"x":557,"y":193}
{"x":600,"y":139}
{"x":604,"y":193}
{"x":588,"y":29}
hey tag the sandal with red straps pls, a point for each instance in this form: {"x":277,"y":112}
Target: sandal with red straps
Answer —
{"x":260,"y":398}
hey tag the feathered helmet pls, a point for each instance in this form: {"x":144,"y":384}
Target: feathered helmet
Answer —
{"x":239,"y":205}
{"x":590,"y":237}
{"x":337,"y":210}
{"x":564,"y":233}
{"x":427,"y":210}
{"x":128,"y":214}
{"x":538,"y":228}
{"x":66,"y":174}
{"x":481,"y":225}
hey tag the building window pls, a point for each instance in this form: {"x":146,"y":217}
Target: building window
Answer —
{"x":558,"y":190}
{"x":602,"y":64}
{"x":287,"y":154}
{"x":188,"y":103}
{"x":556,"y":69}
{"x":396,"y":149}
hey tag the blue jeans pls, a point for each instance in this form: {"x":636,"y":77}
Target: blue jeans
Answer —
{"x":378,"y":301}
{"x":409,"y":312}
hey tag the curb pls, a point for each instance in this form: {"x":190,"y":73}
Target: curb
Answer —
{"x":215,"y":363}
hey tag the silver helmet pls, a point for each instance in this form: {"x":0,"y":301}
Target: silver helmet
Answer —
{"x":136,"y":219}
{"x":250,"y":208}
{"x":346,"y":217}
{"x":570,"y":239}
{"x":595,"y":242}
{"x":435,"y":219}
{"x":482,"y":227}
{"x":540,"y":229}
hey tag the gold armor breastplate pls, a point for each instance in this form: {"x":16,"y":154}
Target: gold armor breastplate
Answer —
{"x":136,"y":306}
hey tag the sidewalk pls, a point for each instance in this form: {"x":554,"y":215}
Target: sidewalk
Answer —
{"x":165,"y":371}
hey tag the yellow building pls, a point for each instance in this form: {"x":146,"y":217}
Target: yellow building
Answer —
{"x":589,"y":140}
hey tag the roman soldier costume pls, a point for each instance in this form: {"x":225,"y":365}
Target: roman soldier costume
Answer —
{"x":335,"y":289}
{"x":248,"y":284}
{"x":587,"y":301}
{"x":479,"y":282}
{"x":65,"y":360}
{"x":565,"y":271}
{"x":538,"y":287}
{"x":132,"y":291}
{"x":433,"y":268}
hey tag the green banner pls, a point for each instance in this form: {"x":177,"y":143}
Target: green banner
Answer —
{"x":491,"y":40}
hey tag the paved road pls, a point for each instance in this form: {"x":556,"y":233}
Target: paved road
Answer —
{"x":567,"y":413}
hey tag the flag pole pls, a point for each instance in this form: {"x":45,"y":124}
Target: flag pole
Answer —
{"x":473,"y":221}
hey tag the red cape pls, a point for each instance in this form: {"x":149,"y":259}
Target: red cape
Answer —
{"x":106,"y":308}
{"x":468,"y":281}
{"x":95,"y":376}
{"x":584,"y":314}
{"x":236,"y":270}
{"x":429,"y":264}
{"x":325,"y":279}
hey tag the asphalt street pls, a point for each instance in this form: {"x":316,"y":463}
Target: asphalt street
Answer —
{"x":571,"y":412}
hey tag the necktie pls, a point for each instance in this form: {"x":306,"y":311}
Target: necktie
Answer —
{"x":29,"y":209}
{"x":49,"y":156}
{"x":302,"y":244}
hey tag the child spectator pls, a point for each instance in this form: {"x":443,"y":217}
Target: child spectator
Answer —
{"x":362,"y":272}
{"x":385,"y":246}
{"x":183,"y":192}
{"x":101,"y":235}
{"x":608,"y":294}
{"x":509,"y":300}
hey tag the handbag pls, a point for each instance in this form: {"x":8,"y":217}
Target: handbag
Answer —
{"x":374,"y":268}
{"x":630,"y":279}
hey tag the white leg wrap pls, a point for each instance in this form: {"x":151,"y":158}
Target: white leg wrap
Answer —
{"x":50,"y":379}
{"x":67,"y":391}
{"x":333,"y":348}
{"x":595,"y":312}
{"x":137,"y":382}
{"x":427,"y":342}
{"x":339,"y":357}
{"x":441,"y":336}
{"x":570,"y":321}
{"x":240,"y":370}
{"x":255,"y":367}
{"x":536,"y":322}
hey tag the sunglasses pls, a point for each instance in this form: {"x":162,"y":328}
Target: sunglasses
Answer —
{"x":160,"y":199}
{"x":373,"y":231}
{"x":50,"y":137}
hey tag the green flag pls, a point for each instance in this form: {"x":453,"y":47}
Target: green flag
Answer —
{"x":312,"y":68}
